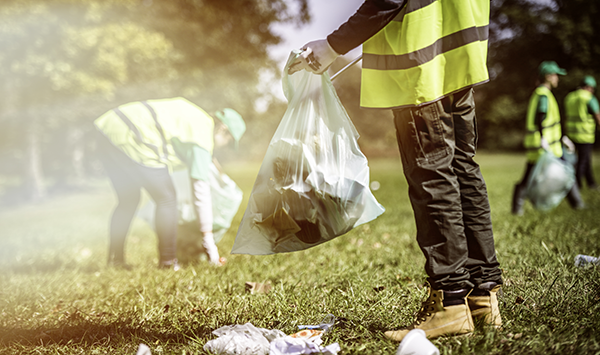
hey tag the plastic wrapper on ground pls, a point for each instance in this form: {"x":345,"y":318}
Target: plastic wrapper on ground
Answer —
{"x":313,"y":185}
{"x":550,"y":181}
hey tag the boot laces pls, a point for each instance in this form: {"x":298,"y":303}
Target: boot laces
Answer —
{"x":426,"y":311}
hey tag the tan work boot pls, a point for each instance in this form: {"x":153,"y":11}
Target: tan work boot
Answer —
{"x":483,"y":303}
{"x":443,"y":313}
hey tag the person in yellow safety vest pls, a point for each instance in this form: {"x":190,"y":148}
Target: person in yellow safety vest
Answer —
{"x":582,"y":117}
{"x":543,"y":132}
{"x":140,"y":144}
{"x":422,"y":59}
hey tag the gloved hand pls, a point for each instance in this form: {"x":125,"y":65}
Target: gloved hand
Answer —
{"x":544,"y":144}
{"x":570,"y":145}
{"x":316,"y":57}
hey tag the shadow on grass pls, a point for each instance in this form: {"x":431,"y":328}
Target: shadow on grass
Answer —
{"x":189,"y":250}
{"x":50,"y":266}
{"x":88,"y":333}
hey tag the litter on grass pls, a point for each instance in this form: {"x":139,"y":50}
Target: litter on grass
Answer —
{"x":246,"y":339}
{"x":143,"y":349}
{"x":326,"y":324}
{"x":256,"y":287}
{"x":586,"y":260}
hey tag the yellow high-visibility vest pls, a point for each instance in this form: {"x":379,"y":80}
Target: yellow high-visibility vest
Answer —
{"x":177,"y":118}
{"x":550,"y":126}
{"x":580,"y":125}
{"x":433,"y":48}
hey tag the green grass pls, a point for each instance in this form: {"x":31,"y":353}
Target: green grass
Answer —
{"x":58,"y":297}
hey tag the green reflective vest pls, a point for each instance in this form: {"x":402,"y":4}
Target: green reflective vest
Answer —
{"x":580,"y":125}
{"x":431,"y":49}
{"x":177,"y":118}
{"x":550,"y":126}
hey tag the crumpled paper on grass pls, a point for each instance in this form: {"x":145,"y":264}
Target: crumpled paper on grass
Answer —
{"x":300,"y":346}
{"x":246,"y":339}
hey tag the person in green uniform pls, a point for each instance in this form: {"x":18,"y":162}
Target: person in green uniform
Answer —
{"x":422,"y":60}
{"x":543,"y":132}
{"x":140,"y":144}
{"x":582,"y":117}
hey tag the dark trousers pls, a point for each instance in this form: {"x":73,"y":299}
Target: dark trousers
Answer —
{"x":128,"y":178}
{"x":583,"y":169}
{"x":448,"y":194}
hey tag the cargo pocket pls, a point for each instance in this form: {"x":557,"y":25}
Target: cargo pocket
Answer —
{"x":427,"y":133}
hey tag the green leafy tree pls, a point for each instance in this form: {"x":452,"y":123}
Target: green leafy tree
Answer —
{"x":524,"y":33}
{"x":65,"y":62}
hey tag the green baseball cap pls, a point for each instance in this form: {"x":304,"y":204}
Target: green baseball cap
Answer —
{"x":588,"y":80}
{"x":234,"y":122}
{"x":550,"y":67}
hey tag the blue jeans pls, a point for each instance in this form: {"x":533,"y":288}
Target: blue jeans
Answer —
{"x":437,"y":144}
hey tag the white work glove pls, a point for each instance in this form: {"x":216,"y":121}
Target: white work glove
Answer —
{"x":544,"y":144}
{"x":567,"y":142}
{"x":316,"y":57}
{"x":208,"y":242}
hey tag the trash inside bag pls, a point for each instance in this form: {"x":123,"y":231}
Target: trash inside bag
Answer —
{"x":226,"y":199}
{"x":313,"y":184}
{"x":549,"y":182}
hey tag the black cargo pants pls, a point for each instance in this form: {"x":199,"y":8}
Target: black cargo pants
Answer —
{"x":437,"y":144}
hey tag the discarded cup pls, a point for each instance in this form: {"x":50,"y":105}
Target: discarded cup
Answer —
{"x":143,"y":349}
{"x":583,"y":260}
{"x":416,"y":343}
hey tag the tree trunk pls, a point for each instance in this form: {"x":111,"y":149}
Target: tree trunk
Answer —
{"x":34,"y":172}
{"x":77,"y":152}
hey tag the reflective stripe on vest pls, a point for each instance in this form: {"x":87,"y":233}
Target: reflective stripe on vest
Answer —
{"x":550,"y":126}
{"x":580,"y":125}
{"x":155,"y":124}
{"x":431,"y":49}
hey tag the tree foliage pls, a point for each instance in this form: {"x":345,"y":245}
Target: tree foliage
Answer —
{"x":65,"y":62}
{"x":523,"y":33}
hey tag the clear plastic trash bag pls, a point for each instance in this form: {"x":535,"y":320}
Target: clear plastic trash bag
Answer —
{"x":313,"y":184}
{"x":550,"y":181}
{"x":226,"y":199}
{"x":569,"y":156}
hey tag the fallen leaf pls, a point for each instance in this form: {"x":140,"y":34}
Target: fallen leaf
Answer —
{"x":255,"y":287}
